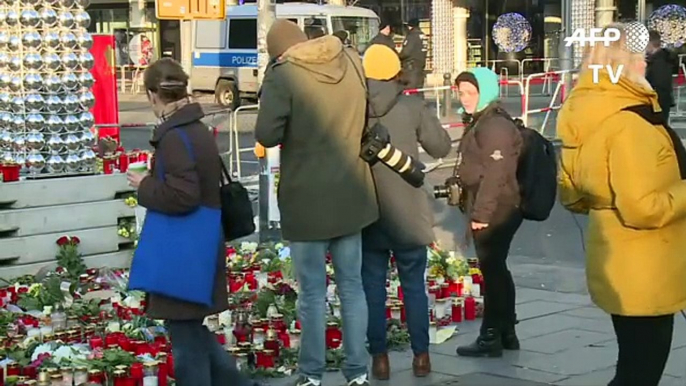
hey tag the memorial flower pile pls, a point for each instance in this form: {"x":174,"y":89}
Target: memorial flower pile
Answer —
{"x":77,"y":323}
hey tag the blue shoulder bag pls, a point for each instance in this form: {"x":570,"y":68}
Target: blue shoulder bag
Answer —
{"x":177,"y":255}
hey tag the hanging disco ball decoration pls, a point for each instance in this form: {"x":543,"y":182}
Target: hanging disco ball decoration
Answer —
{"x":45,"y":86}
{"x":511,"y":32}
{"x":670,"y":22}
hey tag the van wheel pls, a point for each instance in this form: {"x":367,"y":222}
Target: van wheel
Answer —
{"x":227,"y":95}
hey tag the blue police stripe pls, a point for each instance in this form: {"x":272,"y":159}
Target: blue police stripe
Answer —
{"x":224,"y":59}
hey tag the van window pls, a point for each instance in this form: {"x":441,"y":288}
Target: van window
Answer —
{"x":243,"y":34}
{"x":210,"y":34}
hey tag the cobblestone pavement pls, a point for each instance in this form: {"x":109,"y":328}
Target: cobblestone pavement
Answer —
{"x":565,"y":340}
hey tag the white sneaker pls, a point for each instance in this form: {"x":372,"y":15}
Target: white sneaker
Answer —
{"x":304,"y":381}
{"x":359,"y":381}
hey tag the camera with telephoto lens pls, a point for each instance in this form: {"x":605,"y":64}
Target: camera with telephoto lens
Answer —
{"x":452,"y":190}
{"x":376,"y":146}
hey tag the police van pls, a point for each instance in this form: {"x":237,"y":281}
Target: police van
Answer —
{"x":225,"y":51}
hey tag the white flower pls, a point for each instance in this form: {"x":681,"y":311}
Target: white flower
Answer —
{"x":249,"y":247}
{"x":278,"y":246}
{"x":45,"y":348}
{"x":132,"y":302}
{"x":451,"y":260}
{"x":63,"y":353}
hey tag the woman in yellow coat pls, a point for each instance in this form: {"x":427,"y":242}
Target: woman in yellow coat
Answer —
{"x":624,"y":168}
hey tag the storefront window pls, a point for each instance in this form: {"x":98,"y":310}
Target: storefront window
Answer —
{"x":106,"y":21}
{"x":360,"y":30}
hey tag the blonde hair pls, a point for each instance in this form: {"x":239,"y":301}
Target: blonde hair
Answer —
{"x":615,"y":54}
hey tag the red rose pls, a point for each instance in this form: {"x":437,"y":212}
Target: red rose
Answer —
{"x":75,"y":240}
{"x":62,"y":241}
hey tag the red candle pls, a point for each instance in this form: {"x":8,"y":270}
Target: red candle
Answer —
{"x":96,"y":342}
{"x":10,"y":173}
{"x":470,"y":308}
{"x":125,"y":343}
{"x":108,"y":165}
{"x":29,"y":371}
{"x":388,"y":312}
{"x":401,"y":296}
{"x":221,"y":338}
{"x":445,"y":291}
{"x":285,"y":339}
{"x":402,"y":314}
{"x":273,"y":345}
{"x":137,"y":371}
{"x":457,"y":312}
{"x":333,"y":336}
{"x":111,"y":339}
{"x":170,"y":365}
{"x":143,"y":157}
{"x":162,"y":374}
{"x":123,"y":162}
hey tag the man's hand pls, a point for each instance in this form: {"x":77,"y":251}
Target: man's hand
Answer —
{"x":135,"y":179}
{"x":477,"y":226}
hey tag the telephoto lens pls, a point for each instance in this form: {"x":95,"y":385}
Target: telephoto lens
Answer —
{"x":441,"y":191}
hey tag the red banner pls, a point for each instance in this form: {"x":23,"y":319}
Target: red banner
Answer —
{"x":106,"y":109}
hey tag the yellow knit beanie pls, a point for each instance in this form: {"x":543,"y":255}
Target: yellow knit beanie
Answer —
{"x":381,"y":63}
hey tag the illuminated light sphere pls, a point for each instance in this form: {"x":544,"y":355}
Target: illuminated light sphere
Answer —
{"x":637,"y":37}
{"x":511,"y":32}
{"x":670,"y":22}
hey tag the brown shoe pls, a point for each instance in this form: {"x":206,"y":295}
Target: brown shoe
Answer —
{"x":421,"y":365}
{"x":381,"y":368}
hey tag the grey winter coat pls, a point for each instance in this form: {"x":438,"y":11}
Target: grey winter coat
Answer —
{"x":405,"y":216}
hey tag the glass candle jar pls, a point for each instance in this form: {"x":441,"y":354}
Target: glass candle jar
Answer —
{"x":72,"y":322}
{"x":150,"y":374}
{"x":80,"y":375}
{"x":67,"y":375}
{"x":294,"y":338}
{"x":396,"y":313}
{"x":242,"y":360}
{"x":439,"y":309}
{"x":57,"y":380}
{"x":258,"y":336}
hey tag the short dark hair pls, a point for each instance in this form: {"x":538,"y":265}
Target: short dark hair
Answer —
{"x":167,"y":79}
{"x":654,"y":38}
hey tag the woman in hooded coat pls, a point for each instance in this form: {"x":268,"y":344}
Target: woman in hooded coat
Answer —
{"x":405,"y":224}
{"x":487,"y":172}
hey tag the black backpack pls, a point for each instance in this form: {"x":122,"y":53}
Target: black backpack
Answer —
{"x":536,"y":174}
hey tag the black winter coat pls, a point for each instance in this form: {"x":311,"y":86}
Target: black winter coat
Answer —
{"x":659,"y":75}
{"x":487,"y":163}
{"x":188,"y":185}
{"x":405,"y":216}
{"x":383,"y":39}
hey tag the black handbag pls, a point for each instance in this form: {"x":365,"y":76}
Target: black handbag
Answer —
{"x":237,"y":215}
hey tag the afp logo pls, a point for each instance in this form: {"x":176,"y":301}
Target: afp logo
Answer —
{"x":637,"y":37}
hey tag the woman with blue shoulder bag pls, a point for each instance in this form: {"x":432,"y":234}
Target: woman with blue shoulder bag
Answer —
{"x":180,"y":261}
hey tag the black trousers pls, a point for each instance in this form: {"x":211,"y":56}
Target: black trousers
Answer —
{"x":492,"y":246}
{"x":644,"y":345}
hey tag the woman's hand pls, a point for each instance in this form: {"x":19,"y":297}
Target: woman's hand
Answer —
{"x":135,"y":179}
{"x":476,"y":226}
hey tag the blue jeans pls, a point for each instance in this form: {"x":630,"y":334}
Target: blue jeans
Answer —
{"x":199,"y":360}
{"x":411,"y":265}
{"x":309,"y":262}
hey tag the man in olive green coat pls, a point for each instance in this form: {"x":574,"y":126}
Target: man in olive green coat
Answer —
{"x":313,"y":104}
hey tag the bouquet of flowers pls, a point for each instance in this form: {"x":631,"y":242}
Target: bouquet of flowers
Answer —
{"x":446,"y":265}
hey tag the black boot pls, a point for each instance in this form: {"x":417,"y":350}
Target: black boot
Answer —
{"x":488,"y":344}
{"x":509,"y":335}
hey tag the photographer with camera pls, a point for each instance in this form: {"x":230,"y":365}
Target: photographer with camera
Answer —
{"x":485,"y":186}
{"x":405,"y":224}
